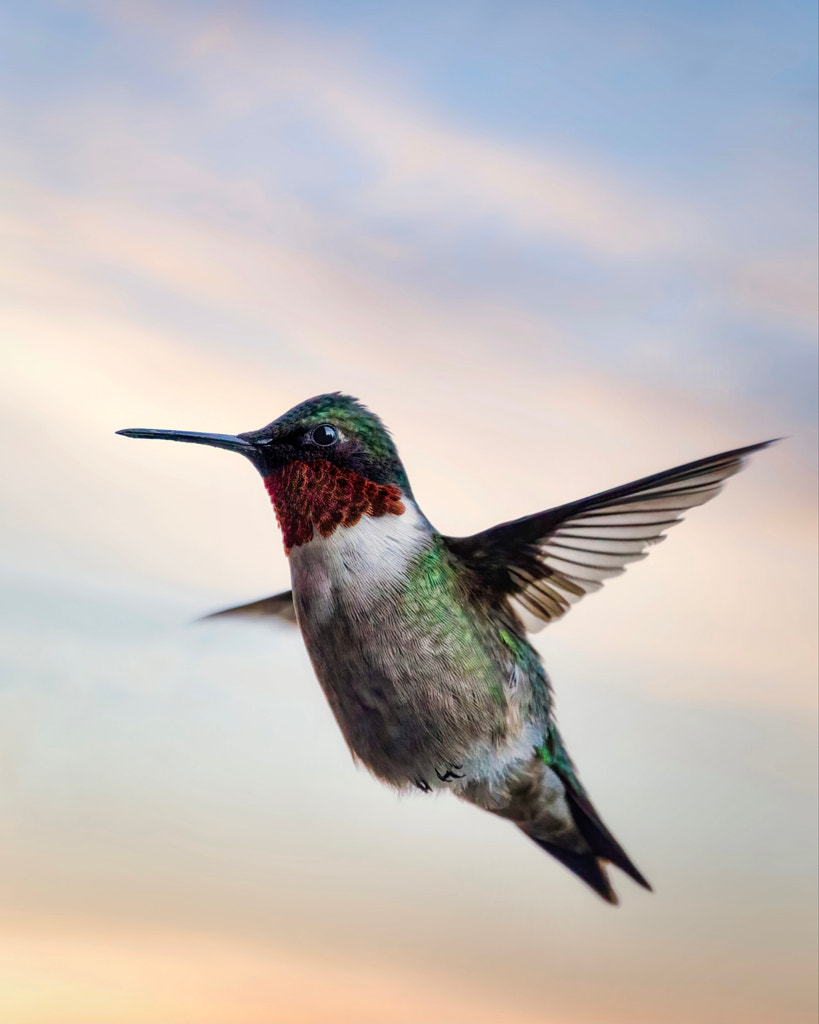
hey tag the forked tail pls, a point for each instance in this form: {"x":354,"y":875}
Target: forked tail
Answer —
{"x":545,"y":799}
{"x":587,"y":859}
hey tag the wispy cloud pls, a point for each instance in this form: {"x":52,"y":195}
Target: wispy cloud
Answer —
{"x":419,"y":166}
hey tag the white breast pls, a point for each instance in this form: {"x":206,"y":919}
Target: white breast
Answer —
{"x":360,"y":561}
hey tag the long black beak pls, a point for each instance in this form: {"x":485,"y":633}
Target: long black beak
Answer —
{"x":233,"y":444}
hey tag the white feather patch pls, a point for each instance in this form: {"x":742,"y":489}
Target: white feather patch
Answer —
{"x":361,"y":559}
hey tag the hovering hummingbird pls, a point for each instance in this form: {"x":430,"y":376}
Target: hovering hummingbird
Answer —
{"x":420,"y":641}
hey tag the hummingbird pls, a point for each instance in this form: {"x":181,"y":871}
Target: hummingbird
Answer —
{"x":420,"y":641}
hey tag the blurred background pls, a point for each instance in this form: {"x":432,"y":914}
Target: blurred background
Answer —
{"x":556,"y":247}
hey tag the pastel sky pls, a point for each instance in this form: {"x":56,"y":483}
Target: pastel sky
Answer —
{"x":556,"y":247}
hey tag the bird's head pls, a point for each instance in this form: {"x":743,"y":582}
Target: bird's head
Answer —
{"x":325,"y":463}
{"x":331,"y":428}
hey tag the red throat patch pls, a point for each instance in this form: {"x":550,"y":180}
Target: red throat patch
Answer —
{"x":318,"y":496}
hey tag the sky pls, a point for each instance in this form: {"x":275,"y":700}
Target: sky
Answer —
{"x":556,"y":248}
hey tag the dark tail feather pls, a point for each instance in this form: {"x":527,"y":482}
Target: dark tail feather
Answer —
{"x":585,"y":865}
{"x":598,"y":837}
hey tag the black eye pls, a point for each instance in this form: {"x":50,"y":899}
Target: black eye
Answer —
{"x":325,"y":435}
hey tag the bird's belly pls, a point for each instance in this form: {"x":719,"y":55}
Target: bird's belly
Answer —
{"x":417,"y":686}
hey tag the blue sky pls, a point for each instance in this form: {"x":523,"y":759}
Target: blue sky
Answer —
{"x":704,"y":115}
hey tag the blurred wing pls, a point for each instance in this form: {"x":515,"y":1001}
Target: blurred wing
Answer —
{"x":280,"y":606}
{"x":546,"y":562}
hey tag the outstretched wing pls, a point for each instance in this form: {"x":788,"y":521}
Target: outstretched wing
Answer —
{"x":280,"y":606}
{"x":546,"y":562}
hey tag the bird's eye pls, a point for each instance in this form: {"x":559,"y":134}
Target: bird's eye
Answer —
{"x":325,"y":435}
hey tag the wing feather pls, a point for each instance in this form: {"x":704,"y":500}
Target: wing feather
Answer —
{"x":542,"y":564}
{"x":279,"y":606}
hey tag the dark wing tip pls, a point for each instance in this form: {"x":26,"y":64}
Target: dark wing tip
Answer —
{"x":280,"y":606}
{"x":748,"y":449}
